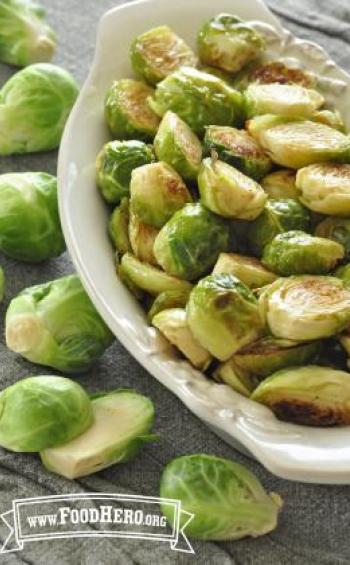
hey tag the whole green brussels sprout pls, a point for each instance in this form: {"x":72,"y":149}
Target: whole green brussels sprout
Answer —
{"x":167,"y":300}
{"x":118,"y":227}
{"x":228,"y":43}
{"x":157,"y":192}
{"x":142,"y":237}
{"x":325,"y":188}
{"x":227,"y":500}
{"x":200,"y":99}
{"x":329,"y":118}
{"x":158,"y":52}
{"x":311,"y":395}
{"x":115,"y":164}
{"x":289,"y":100}
{"x":237,"y":148}
{"x":223,"y":315}
{"x":2,"y":284}
{"x":228,"y":192}
{"x":177,"y":145}
{"x":30,"y":228}
{"x":41,"y":412}
{"x":127,"y":112}
{"x":190,"y":242}
{"x":337,"y":229}
{"x":25,"y":37}
{"x":56,"y":324}
{"x":296,"y":253}
{"x":280,"y":185}
{"x":35,"y":104}
{"x":249,"y":270}
{"x":223,"y":75}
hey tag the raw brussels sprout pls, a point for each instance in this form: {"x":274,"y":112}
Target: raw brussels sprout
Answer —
{"x":278,"y":72}
{"x":127,"y":112}
{"x":2,"y":284}
{"x":200,"y":99}
{"x":247,"y":269}
{"x":280,"y":184}
{"x":228,"y":192}
{"x":311,"y":395}
{"x":169,"y":299}
{"x":157,"y":191}
{"x":173,"y":325}
{"x":305,"y":307}
{"x":237,"y":148}
{"x":298,"y":143}
{"x":325,"y":188}
{"x":142,"y":237}
{"x":30,"y":228}
{"x":176,"y":144}
{"x":343,"y":273}
{"x":149,"y":278}
{"x":329,"y":118}
{"x":189,"y":244}
{"x":35,"y":104}
{"x":337,"y":229}
{"x":115,"y":164}
{"x":56,"y":324}
{"x":25,"y":37}
{"x":41,"y":412}
{"x":228,"y":43}
{"x":227,"y":500}
{"x":279,"y":216}
{"x":122,"y":424}
{"x":289,"y":100}
{"x":296,"y":253}
{"x":118,"y":227}
{"x":158,"y":52}
{"x":223,"y":315}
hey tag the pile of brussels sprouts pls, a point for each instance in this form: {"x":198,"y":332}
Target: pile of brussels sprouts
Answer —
{"x":228,"y":180}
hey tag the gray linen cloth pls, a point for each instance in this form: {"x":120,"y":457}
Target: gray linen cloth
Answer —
{"x":315,"y":522}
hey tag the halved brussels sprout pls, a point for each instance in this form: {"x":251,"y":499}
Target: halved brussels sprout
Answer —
{"x":189,"y":244}
{"x":173,"y":324}
{"x":118,"y":227}
{"x":115,"y":164}
{"x":278,"y":72}
{"x":176,"y":144}
{"x":41,"y":412}
{"x":149,"y":278}
{"x":240,"y":381}
{"x":311,"y":395}
{"x":123,"y":421}
{"x":298,"y":143}
{"x":280,"y":184}
{"x":279,"y":216}
{"x":343,"y":273}
{"x":237,"y":148}
{"x":127,"y":112}
{"x":200,"y":99}
{"x":142,"y":237}
{"x":158,"y":52}
{"x":289,"y":100}
{"x":228,"y":43}
{"x":223,"y":315}
{"x":306,"y":307}
{"x":167,"y":300}
{"x":228,"y":192}
{"x":30,"y":228}
{"x":227,"y":500}
{"x":329,"y":118}
{"x":247,"y":269}
{"x":35,"y":104}
{"x":157,"y":191}
{"x":56,"y":324}
{"x":223,"y":75}
{"x":325,"y":188}
{"x":2,"y":284}
{"x":337,"y":229}
{"x":296,"y":253}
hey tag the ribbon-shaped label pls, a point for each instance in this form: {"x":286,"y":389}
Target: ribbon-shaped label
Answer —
{"x":95,"y":515}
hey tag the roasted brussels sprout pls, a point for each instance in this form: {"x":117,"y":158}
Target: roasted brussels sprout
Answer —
{"x":343,"y":273}
{"x":228,"y":192}
{"x":223,"y":75}
{"x":305,"y":307}
{"x":280,"y":184}
{"x":223,"y":315}
{"x":227,"y":500}
{"x":296,"y":253}
{"x":329,"y":118}
{"x":173,"y":324}
{"x":278,"y":72}
{"x":237,"y":148}
{"x":167,"y":300}
{"x":189,"y":244}
{"x":247,"y":269}
{"x":41,"y":412}
{"x":35,"y":104}
{"x":122,"y":424}
{"x":56,"y":324}
{"x":311,"y":395}
{"x":30,"y":228}
{"x":25,"y":37}
{"x":127,"y":112}
{"x":177,"y":145}
{"x":228,"y":43}
{"x":240,"y":381}
{"x":118,"y":227}
{"x":289,"y":100}
{"x":157,"y":191}
{"x":2,"y":284}
{"x":158,"y":52}
{"x":200,"y":99}
{"x":325,"y":188}
{"x":337,"y":229}
{"x":142,"y":237}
